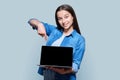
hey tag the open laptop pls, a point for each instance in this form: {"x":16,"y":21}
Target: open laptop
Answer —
{"x":56,"y":56}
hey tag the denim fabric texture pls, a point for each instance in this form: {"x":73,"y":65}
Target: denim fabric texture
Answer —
{"x":74,"y":40}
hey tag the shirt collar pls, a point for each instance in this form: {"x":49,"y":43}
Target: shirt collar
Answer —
{"x":71,"y":34}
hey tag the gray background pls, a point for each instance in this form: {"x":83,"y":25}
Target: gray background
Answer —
{"x":20,"y":46}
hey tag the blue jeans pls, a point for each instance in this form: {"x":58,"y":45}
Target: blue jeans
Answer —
{"x":51,"y":75}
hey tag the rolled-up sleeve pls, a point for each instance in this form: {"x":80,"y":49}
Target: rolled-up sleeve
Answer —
{"x":78,"y":55}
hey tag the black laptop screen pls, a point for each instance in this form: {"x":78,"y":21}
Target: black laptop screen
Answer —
{"x":56,"y":56}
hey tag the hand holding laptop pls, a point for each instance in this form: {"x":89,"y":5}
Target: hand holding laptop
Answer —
{"x":60,"y":70}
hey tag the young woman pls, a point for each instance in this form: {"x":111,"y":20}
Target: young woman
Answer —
{"x":66,"y":33}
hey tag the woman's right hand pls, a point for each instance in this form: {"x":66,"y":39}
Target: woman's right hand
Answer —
{"x":36,"y":24}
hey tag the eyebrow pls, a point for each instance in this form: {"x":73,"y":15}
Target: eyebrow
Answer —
{"x":64,"y":15}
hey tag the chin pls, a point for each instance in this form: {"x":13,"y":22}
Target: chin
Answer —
{"x":66,"y":27}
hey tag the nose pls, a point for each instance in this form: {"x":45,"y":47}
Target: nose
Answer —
{"x":63,"y":20}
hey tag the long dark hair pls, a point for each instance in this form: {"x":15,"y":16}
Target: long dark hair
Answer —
{"x":68,"y":8}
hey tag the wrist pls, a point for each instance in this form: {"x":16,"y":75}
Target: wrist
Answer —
{"x":40,"y":25}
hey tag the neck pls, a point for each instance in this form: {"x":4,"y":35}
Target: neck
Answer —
{"x":68,"y":31}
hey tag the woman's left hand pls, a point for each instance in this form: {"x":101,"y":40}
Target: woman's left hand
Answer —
{"x":61,"y":70}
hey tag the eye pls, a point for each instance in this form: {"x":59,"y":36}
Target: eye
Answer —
{"x":59,"y":18}
{"x":66,"y":16}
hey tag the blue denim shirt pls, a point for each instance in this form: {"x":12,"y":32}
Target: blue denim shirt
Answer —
{"x":74,"y":40}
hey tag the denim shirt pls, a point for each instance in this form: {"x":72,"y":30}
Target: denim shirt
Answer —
{"x":74,"y":40}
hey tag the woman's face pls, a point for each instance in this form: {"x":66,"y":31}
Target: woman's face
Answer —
{"x":65,"y":19}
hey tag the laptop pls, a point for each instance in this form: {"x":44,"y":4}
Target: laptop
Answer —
{"x":56,"y":56}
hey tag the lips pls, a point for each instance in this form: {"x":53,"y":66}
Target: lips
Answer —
{"x":65,"y":25}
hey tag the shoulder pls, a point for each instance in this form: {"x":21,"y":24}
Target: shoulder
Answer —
{"x":78,"y":36}
{"x":79,"y":41}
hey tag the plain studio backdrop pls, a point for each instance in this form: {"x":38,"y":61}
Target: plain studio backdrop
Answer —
{"x":99,"y":22}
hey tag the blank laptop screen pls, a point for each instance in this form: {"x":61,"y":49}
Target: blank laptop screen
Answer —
{"x":56,"y":56}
